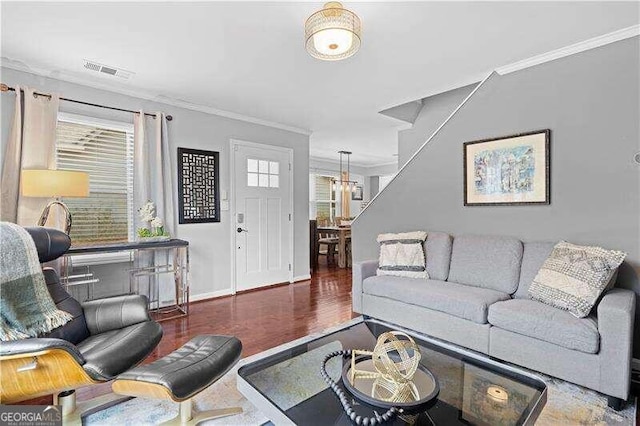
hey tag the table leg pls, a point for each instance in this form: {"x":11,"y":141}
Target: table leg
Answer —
{"x":342,"y":250}
{"x":177,"y":274}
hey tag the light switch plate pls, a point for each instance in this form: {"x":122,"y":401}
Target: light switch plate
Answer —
{"x":224,"y":205}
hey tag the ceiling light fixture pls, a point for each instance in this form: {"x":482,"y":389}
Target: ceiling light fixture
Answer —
{"x":333,"y":33}
{"x":345,"y":186}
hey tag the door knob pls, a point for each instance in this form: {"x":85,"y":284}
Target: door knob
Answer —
{"x":241,"y":230}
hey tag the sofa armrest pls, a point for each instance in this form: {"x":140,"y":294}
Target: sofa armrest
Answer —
{"x":29,"y":347}
{"x":616,"y":315}
{"x":113,"y":313}
{"x":360,"y":272}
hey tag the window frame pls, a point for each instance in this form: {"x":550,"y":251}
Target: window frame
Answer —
{"x":122,"y":126}
{"x":333,"y":202}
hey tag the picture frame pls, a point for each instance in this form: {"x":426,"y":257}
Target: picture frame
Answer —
{"x":198,"y":186}
{"x":357,"y":194}
{"x":510,"y":170}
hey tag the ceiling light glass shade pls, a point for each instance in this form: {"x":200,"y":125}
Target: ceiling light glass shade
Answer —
{"x":333,"y":33}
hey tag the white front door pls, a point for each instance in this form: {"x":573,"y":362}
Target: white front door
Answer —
{"x":263,"y":215}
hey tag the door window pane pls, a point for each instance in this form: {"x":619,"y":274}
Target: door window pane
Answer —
{"x":274,"y":168}
{"x":263,"y":173}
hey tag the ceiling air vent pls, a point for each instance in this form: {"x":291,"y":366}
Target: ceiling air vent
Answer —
{"x":108,"y":70}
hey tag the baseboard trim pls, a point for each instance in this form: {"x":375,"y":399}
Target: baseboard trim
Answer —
{"x":228,"y":292}
{"x":210,"y":295}
{"x":302,"y":278}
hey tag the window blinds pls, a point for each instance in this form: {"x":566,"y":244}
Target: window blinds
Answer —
{"x":323,"y":197}
{"x":107,"y":155}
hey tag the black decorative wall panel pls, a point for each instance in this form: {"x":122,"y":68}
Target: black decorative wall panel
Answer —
{"x":198,"y":180}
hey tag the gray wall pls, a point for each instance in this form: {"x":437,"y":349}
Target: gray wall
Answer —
{"x":590,"y":101}
{"x":210,"y":243}
{"x":435,"y":109}
{"x":374,"y":185}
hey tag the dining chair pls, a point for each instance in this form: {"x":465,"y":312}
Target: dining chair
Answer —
{"x":327,"y":246}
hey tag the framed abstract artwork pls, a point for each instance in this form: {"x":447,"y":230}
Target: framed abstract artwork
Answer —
{"x":198,"y":186}
{"x":507,"y":171}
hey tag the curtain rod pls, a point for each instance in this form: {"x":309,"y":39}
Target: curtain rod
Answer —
{"x":5,"y":88}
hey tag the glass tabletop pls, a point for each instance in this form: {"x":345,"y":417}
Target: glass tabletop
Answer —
{"x":474,"y":390}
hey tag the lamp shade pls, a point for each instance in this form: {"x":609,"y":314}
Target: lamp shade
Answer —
{"x":333,"y":33}
{"x":54,"y":183}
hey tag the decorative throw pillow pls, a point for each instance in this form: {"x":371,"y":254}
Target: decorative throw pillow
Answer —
{"x":573,"y":277}
{"x":403,"y":254}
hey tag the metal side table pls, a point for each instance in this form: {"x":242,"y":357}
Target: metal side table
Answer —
{"x":151,"y":261}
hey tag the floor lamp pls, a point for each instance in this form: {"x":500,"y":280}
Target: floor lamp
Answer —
{"x":55,"y":184}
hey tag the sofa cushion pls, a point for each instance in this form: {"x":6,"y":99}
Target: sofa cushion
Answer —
{"x":533,"y":257}
{"x":438,"y":249}
{"x":574,"y":277}
{"x":470,"y":303}
{"x":402,"y":254}
{"x":543,"y":322}
{"x":490,"y":262}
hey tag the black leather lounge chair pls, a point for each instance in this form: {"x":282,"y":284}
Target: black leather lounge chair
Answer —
{"x":105,"y":338}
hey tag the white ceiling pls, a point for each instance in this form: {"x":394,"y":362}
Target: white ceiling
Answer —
{"x":249,"y":58}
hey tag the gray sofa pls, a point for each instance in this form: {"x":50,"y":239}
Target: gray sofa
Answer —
{"x":476,"y":296}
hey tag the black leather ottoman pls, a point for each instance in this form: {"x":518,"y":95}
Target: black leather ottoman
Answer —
{"x":183,"y":374}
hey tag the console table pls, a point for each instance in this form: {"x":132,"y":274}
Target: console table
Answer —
{"x":151,"y":260}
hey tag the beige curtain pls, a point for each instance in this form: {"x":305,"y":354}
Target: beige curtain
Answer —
{"x":163,"y":177}
{"x":141,"y":177}
{"x":153,"y":180}
{"x":31,"y":145}
{"x":153,"y":171}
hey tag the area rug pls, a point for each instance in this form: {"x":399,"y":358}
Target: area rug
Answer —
{"x":567,"y":404}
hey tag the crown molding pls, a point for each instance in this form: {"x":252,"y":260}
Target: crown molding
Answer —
{"x":582,"y":46}
{"x":355,"y":164}
{"x":141,"y":94}
{"x":552,"y":55}
{"x":391,"y":163}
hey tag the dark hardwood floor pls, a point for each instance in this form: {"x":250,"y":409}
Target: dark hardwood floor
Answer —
{"x":261,"y":319}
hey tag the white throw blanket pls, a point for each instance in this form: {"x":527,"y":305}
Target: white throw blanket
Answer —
{"x":26,"y":307}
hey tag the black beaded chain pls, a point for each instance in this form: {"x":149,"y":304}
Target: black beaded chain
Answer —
{"x":358,"y":420}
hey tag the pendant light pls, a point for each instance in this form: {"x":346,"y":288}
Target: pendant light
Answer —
{"x":345,"y":186}
{"x":344,"y":183}
{"x":333,"y":33}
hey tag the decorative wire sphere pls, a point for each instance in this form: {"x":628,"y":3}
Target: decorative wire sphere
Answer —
{"x":333,"y":33}
{"x":396,"y":356}
{"x":390,"y":391}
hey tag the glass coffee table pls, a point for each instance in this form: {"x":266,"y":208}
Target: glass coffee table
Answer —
{"x":286,"y":385}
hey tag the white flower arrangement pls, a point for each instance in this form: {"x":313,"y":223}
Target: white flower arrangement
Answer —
{"x":147,"y":215}
{"x":147,"y":211}
{"x":156,"y":222}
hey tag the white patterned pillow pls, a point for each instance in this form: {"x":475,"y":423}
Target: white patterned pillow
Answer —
{"x":403,"y":255}
{"x":573,"y":277}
